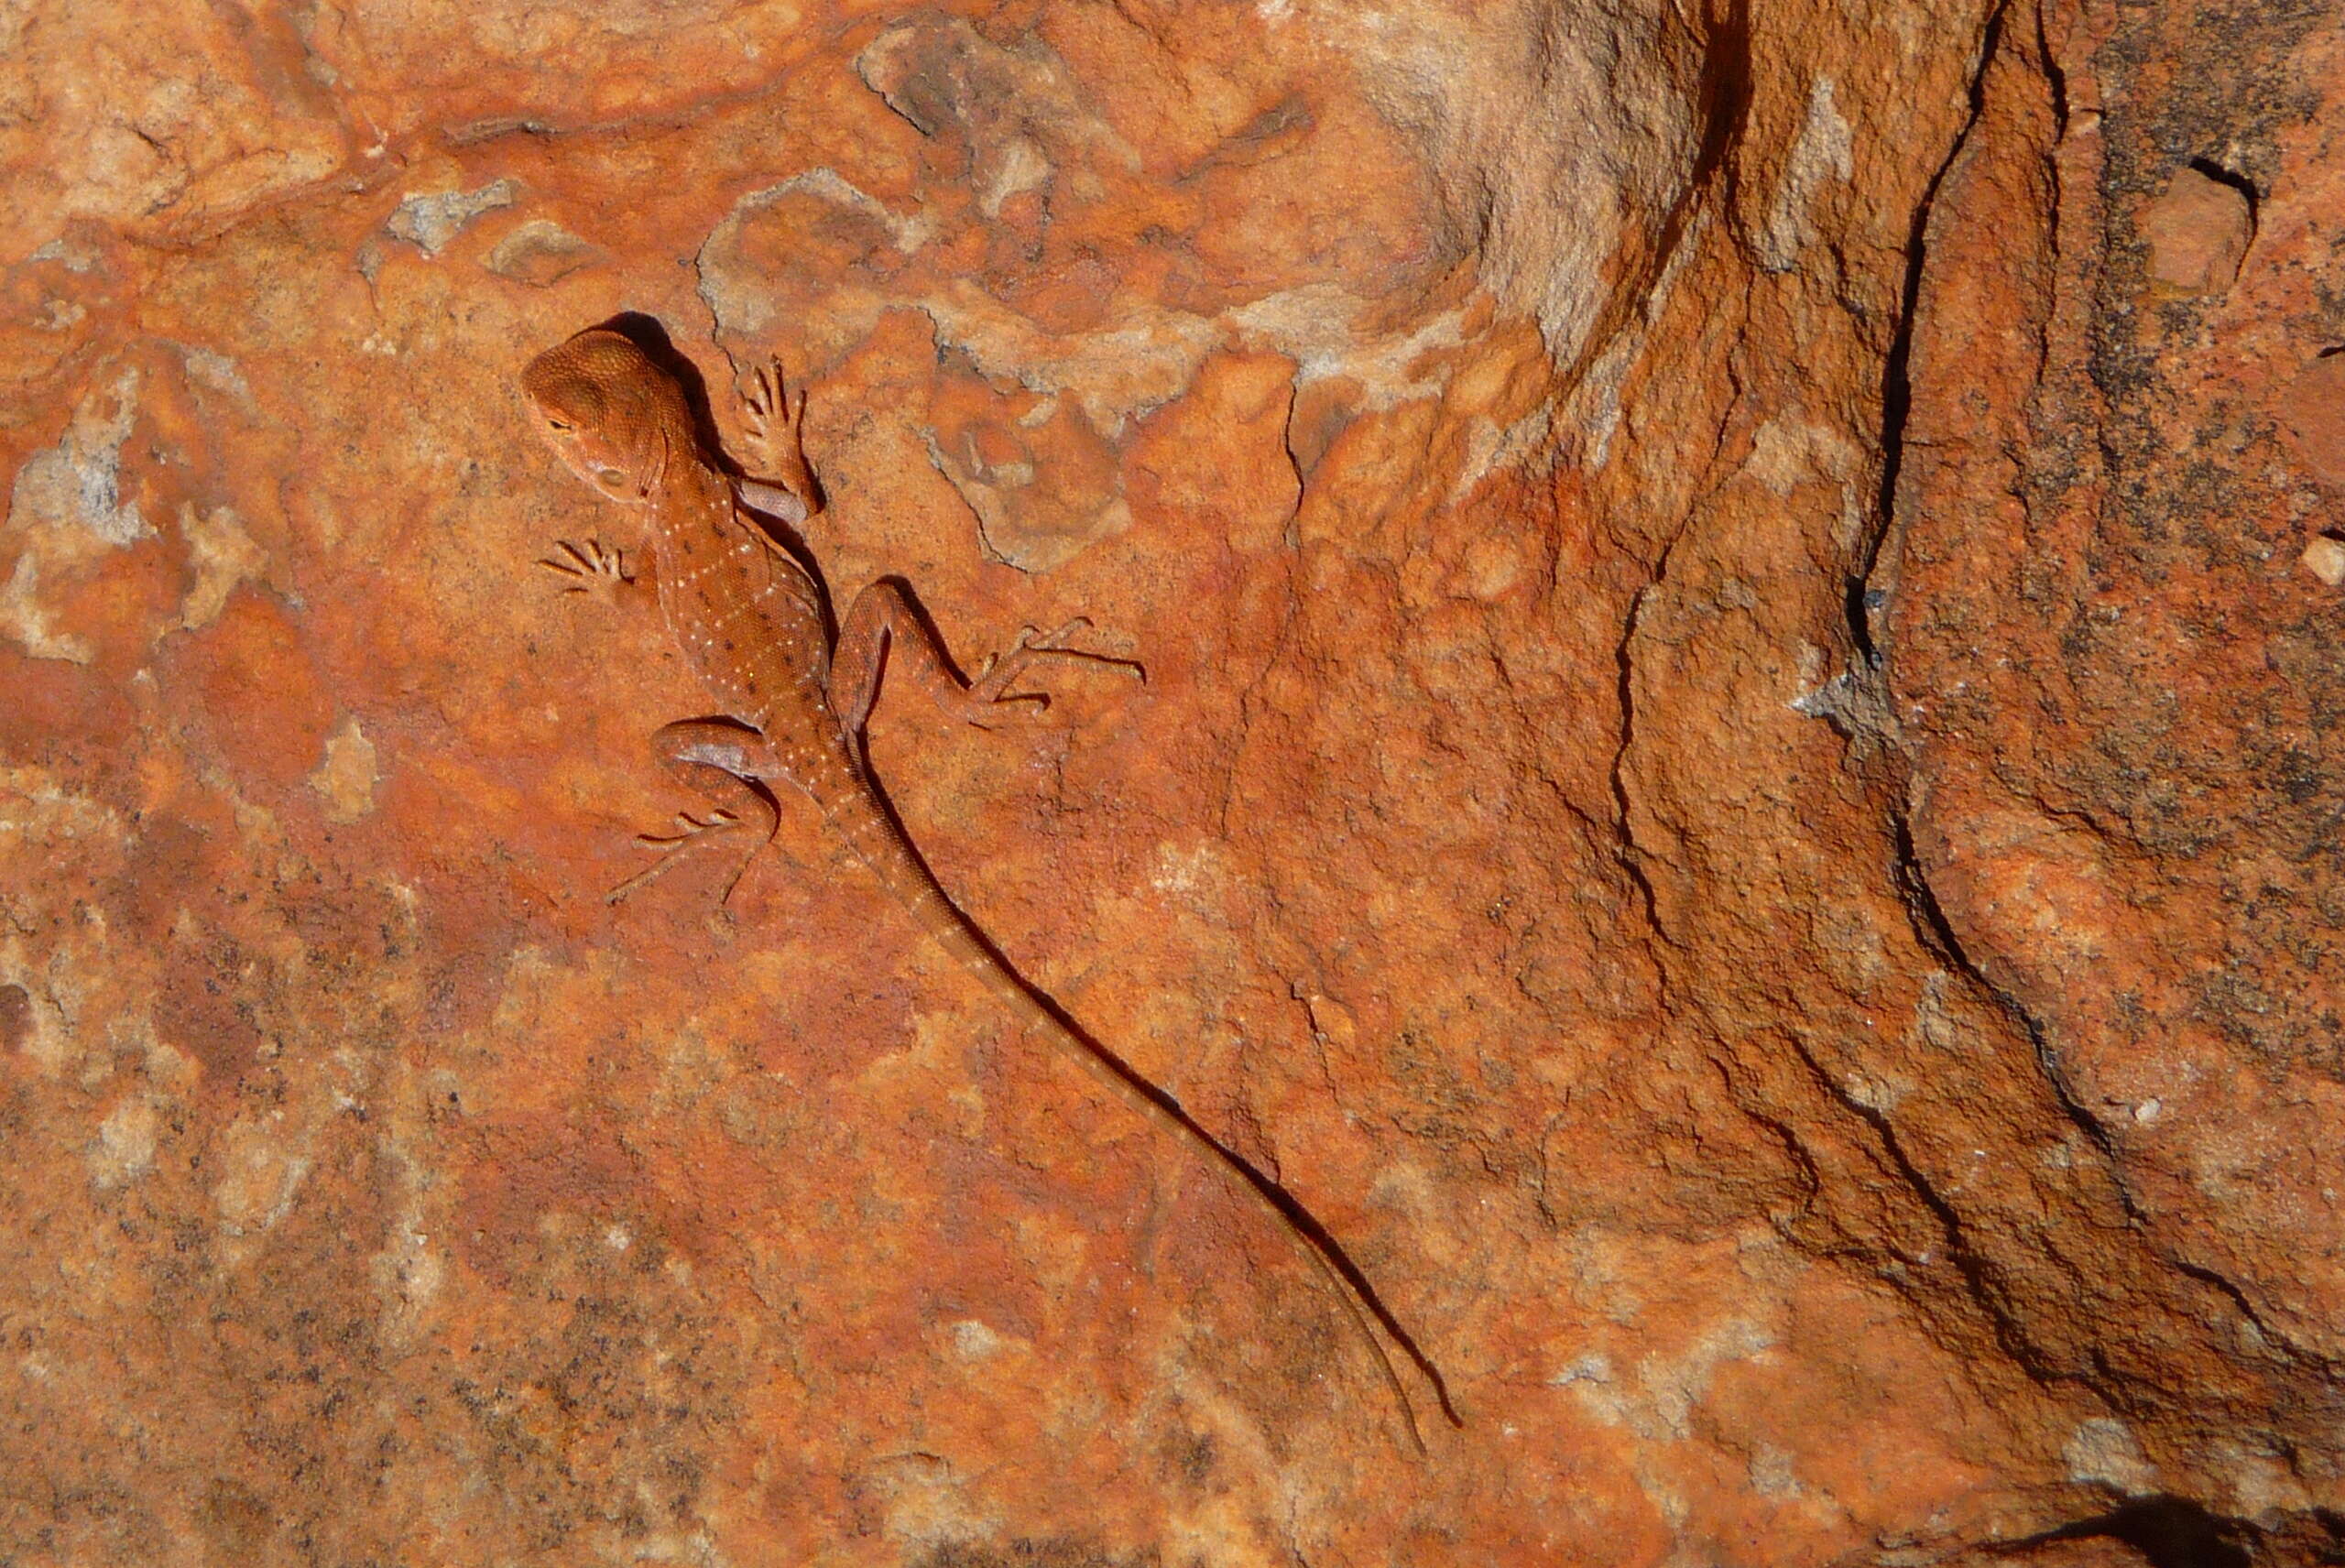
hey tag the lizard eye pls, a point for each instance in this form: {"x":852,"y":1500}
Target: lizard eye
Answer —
{"x":610,"y":476}
{"x":556,"y":425}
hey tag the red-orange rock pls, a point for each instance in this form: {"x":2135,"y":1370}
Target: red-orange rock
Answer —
{"x":1737,"y":788}
{"x":2197,"y":232}
{"x":2311,"y":410}
{"x":2110,"y":687}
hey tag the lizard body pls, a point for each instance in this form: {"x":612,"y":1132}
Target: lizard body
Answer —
{"x":750,"y":620}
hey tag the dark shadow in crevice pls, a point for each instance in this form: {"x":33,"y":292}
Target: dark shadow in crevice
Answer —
{"x":2237,"y":181}
{"x":2168,"y":1531}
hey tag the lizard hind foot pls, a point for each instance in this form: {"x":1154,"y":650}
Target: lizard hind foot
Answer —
{"x":694,"y":834}
{"x":990,"y":697}
{"x":722,"y":761}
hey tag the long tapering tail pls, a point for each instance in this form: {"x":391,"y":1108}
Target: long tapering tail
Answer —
{"x":863,"y":824}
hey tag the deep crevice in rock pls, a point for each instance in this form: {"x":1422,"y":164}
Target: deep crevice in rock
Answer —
{"x":1978,"y":1283}
{"x":1937,"y":935}
{"x":1928,"y":917}
{"x":1896,"y":371}
{"x":2169,"y":1530}
{"x":1626,"y":849}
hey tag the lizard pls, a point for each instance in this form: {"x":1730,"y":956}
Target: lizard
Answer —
{"x":752,"y":621}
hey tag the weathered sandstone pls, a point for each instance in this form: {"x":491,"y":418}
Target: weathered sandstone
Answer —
{"x":1739,"y":787}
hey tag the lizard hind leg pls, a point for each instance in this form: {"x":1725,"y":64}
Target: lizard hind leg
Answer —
{"x":883,"y":625}
{"x":721,"y":760}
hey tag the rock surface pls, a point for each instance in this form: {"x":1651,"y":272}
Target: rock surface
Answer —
{"x":1739,"y":787}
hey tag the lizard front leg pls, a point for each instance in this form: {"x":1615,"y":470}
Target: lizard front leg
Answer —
{"x":883,"y":624}
{"x":724,"y":761}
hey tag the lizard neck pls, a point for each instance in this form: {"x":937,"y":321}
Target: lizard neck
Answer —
{"x":689,"y":503}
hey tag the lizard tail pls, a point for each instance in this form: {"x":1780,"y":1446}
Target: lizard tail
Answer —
{"x":875,"y":839}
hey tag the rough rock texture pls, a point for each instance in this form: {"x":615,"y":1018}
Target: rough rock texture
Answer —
{"x":1740,"y":789}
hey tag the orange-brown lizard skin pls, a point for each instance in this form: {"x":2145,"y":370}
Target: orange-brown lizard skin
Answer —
{"x":750,"y":620}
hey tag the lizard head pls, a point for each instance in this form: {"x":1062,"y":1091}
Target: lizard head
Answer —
{"x":612,"y":415}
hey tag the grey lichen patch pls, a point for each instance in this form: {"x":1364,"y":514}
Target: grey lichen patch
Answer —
{"x":1850,"y":943}
{"x":1317,"y":326}
{"x":1657,"y":1404}
{"x":1789,"y":451}
{"x":963,"y":1550}
{"x":1492,"y":448}
{"x":209,"y":367}
{"x":1124,"y":371}
{"x":123,"y":1150}
{"x":1773,"y":1474}
{"x":260,"y":1175}
{"x":2104,"y":1451}
{"x":1855,"y":701}
{"x":71,"y":257}
{"x":66,"y":508}
{"x":820,"y":211}
{"x":1022,"y":168}
{"x":430,"y":221}
{"x":75,"y":487}
{"x":25,"y":621}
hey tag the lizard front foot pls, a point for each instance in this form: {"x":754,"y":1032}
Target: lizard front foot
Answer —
{"x":589,"y":568}
{"x":989,"y":696}
{"x":772,"y":437}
